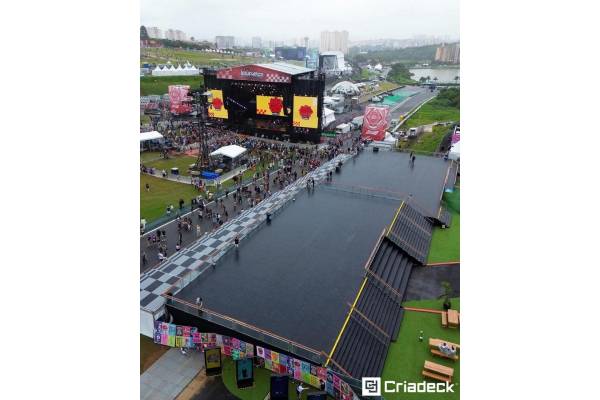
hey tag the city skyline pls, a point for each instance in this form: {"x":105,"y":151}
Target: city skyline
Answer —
{"x":260,"y":41}
{"x":383,"y":19}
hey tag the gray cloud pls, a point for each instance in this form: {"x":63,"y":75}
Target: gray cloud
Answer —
{"x":281,"y":20}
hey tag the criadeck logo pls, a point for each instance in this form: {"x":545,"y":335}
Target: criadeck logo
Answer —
{"x":372,"y":387}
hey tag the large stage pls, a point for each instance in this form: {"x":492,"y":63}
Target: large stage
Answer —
{"x":297,"y":277}
{"x":277,"y":100}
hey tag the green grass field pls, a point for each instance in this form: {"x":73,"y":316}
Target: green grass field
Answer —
{"x":160,"y":84}
{"x":261,"y":383}
{"x":445,"y":243}
{"x":428,"y":142}
{"x":407,"y":355}
{"x":430,"y":113}
{"x":181,"y":162}
{"x":153,"y":204}
{"x":149,"y":155}
{"x":181,"y":56}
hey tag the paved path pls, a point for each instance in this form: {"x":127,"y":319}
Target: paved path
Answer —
{"x":187,"y":179}
{"x":170,"y":374}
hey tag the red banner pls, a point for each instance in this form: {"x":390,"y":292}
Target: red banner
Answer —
{"x":375,"y":123}
{"x":179,"y":99}
{"x":253,"y":73}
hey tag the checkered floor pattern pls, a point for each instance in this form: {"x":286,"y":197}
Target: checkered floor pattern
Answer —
{"x":200,"y":255}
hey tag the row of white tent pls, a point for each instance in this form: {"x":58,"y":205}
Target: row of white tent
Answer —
{"x":377,"y":67}
{"x":169,"y":70}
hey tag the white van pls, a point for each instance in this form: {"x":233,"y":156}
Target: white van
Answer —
{"x":342,"y":128}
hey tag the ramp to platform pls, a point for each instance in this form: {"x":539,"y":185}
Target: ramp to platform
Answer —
{"x":411,"y":231}
{"x":375,"y":319}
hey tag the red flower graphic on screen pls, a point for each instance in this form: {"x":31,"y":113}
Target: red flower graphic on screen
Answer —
{"x":217,"y":103}
{"x":305,"y":112}
{"x":275,"y":105}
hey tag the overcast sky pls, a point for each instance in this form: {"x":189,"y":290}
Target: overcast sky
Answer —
{"x":284,"y":19}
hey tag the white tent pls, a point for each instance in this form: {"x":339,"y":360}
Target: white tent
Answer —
{"x":153,"y":135}
{"x":454,"y":152}
{"x":170,"y":70}
{"x":232,"y":151}
{"x":328,"y":116}
{"x":346,"y":88}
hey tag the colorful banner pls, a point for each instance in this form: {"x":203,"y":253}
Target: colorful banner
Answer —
{"x":456,"y":135}
{"x":216,"y":108}
{"x":180,"y":102}
{"x":254,"y":73}
{"x":269,"y":105}
{"x":214,"y":345}
{"x":375,"y":123}
{"x":305,"y":112}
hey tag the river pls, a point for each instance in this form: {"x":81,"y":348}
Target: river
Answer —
{"x":444,"y":75}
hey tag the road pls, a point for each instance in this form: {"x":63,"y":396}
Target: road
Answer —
{"x":413,"y":101}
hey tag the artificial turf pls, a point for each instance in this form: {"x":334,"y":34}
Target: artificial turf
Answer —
{"x":153,"y":204}
{"x":445,"y":243}
{"x":407,"y":354}
{"x":181,"y":162}
{"x":261,"y":386}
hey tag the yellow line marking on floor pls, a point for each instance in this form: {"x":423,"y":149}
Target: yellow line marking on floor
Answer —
{"x":346,"y":321}
{"x":395,"y":217}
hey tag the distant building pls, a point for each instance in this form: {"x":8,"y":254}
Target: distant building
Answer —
{"x":224,"y":42}
{"x":332,"y":63}
{"x":448,"y":53}
{"x":256,"y":43}
{"x":180,"y":35}
{"x":334,"y":41}
{"x":154,"y":32}
{"x":291,"y":53}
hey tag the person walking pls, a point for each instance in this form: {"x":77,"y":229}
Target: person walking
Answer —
{"x":144,"y":259}
{"x":236,"y":241}
{"x":199,"y":303}
{"x":198,"y":230}
{"x":299,"y":390}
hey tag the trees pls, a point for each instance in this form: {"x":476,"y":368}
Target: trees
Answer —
{"x":449,"y":97}
{"x":400,"y":74}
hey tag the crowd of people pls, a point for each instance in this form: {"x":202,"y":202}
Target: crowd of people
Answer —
{"x":274,"y":164}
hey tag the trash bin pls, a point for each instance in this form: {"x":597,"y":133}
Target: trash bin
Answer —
{"x":174,"y":171}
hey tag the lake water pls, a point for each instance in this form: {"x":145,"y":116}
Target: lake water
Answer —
{"x":444,"y":75}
